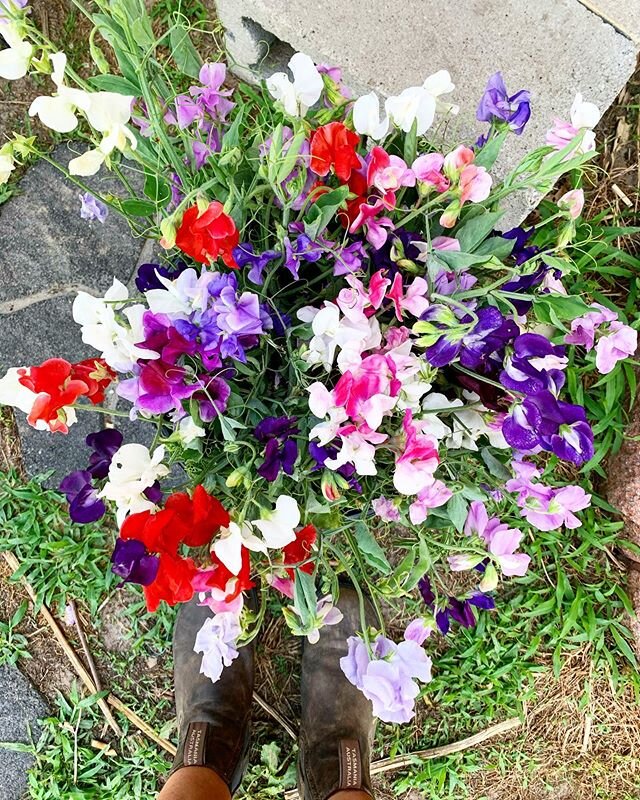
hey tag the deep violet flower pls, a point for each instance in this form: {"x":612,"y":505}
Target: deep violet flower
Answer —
{"x":245,"y":255}
{"x":104,"y":444}
{"x":281,"y":448}
{"x":147,"y":276}
{"x":521,"y":250}
{"x":84,"y":503}
{"x":460,"y":610}
{"x":133,"y":563}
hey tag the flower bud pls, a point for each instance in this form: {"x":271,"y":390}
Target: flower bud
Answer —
{"x":236,"y":477}
{"x":489,"y":580}
{"x":329,"y":486}
{"x":168,"y":229}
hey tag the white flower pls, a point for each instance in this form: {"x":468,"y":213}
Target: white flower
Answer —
{"x":366,"y":117}
{"x":469,"y":424}
{"x":414,"y":104}
{"x":13,"y":393}
{"x":299,"y":95}
{"x":584,"y":115}
{"x":101,"y":329}
{"x":58,"y":112}
{"x":230,"y":541}
{"x":7,"y":164}
{"x":182,"y":296}
{"x":189,"y":431}
{"x":278,"y":527}
{"x":107,"y":113}
{"x":438,"y":84}
{"x":357,"y":450}
{"x":16,"y":57}
{"x":132,"y":470}
{"x":430,"y":423}
{"x":217,"y":641}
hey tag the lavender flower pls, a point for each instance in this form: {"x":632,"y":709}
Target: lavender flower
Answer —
{"x":92,"y":209}
{"x":301,"y":249}
{"x":497,"y":105}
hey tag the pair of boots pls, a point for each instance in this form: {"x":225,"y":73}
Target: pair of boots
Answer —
{"x":336,"y":727}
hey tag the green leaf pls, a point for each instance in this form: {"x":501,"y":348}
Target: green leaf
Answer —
{"x":476,"y":230}
{"x":137,"y":208}
{"x":184,"y":53}
{"x":624,"y":647}
{"x":157,"y":189}
{"x":486,"y":157}
{"x":305,"y":597}
{"x":323,"y":210}
{"x":495,"y":467}
{"x":289,"y":160}
{"x":457,"y":511}
{"x":371,"y":551}
{"x":456,"y":260}
{"x":114,"y":83}
{"x":555,"y":307}
{"x":411,"y":144}
{"x":421,"y":566}
{"x":496,"y":246}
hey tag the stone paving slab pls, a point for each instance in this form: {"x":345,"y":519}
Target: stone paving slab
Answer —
{"x":20,"y":705}
{"x":554,"y":48}
{"x":624,"y":15}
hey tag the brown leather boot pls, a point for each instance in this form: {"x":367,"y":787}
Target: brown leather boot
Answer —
{"x":213,"y":718}
{"x":337,"y":725}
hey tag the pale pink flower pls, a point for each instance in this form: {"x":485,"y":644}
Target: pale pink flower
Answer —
{"x":428,"y":171}
{"x":572,"y":202}
{"x":620,"y":343}
{"x":431,"y":496}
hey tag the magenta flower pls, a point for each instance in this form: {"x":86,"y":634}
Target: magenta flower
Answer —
{"x":428,"y":171}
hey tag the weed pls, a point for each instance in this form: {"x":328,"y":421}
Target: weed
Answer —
{"x":13,"y":645}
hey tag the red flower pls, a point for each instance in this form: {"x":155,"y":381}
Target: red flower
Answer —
{"x":162,"y":532}
{"x":333,"y":145}
{"x":298,"y":552}
{"x":96,"y":374}
{"x":172,"y":583}
{"x":208,"y":236}
{"x":225,"y":581}
{"x":202,"y":515}
{"x":358,"y":187}
{"x":55,"y":388}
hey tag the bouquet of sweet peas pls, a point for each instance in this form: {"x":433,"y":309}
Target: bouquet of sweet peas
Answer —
{"x":359,"y":374}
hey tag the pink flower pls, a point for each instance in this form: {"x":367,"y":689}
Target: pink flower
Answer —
{"x":475,"y":184}
{"x":368,"y":391}
{"x":457,"y":160}
{"x":416,"y":465}
{"x":413,"y":301}
{"x":433,"y":495}
{"x":375,"y":227}
{"x":388,"y":174}
{"x":428,"y":171}
{"x":572,"y":202}
{"x":621,"y":343}
{"x":583,"y":329}
{"x":445,"y":243}
{"x":359,"y":300}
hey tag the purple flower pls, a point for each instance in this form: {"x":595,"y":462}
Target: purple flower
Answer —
{"x":545,"y":507}
{"x":281,"y":449}
{"x":158,"y":387}
{"x":212,"y":397}
{"x":460,"y":610}
{"x":92,"y":208}
{"x":495,"y":104}
{"x":385,"y":509}
{"x":245,"y":255}
{"x":542,"y":421}
{"x":449,"y":282}
{"x":536,"y":364}
{"x":239,"y":315}
{"x":84,"y":503}
{"x":302,"y":249}
{"x":209,"y":95}
{"x":521,"y":251}
{"x":104,"y":445}
{"x":133,"y":563}
{"x":388,"y":677}
{"x":147,"y":275}
{"x":321,"y":453}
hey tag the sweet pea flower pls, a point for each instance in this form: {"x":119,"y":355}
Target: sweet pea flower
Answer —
{"x":428,"y":171}
{"x":366,"y":117}
{"x":16,"y":56}
{"x":583,"y":329}
{"x":438,"y":84}
{"x":116,"y":337}
{"x":91,"y":208}
{"x":326,"y":613}
{"x":217,"y":641}
{"x":572,"y":203}
{"x":231,"y":540}
{"x":473,"y":183}
{"x":620,"y":343}
{"x":502,"y":541}
{"x":58,"y":111}
{"x":132,"y":472}
{"x":431,"y":496}
{"x":414,"y":105}
{"x":7,"y":162}
{"x":412,"y":299}
{"x":299,"y":95}
{"x":584,"y":117}
{"x":496,"y":104}
{"x":333,"y":333}
{"x":357,"y":448}
{"x":388,"y":174}
{"x":189,"y":431}
{"x":385,"y":509}
{"x":278,"y":526}
{"x":418,"y":459}
{"x":108,"y":113}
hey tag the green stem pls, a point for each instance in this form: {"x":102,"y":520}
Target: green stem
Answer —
{"x":108,"y":412}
